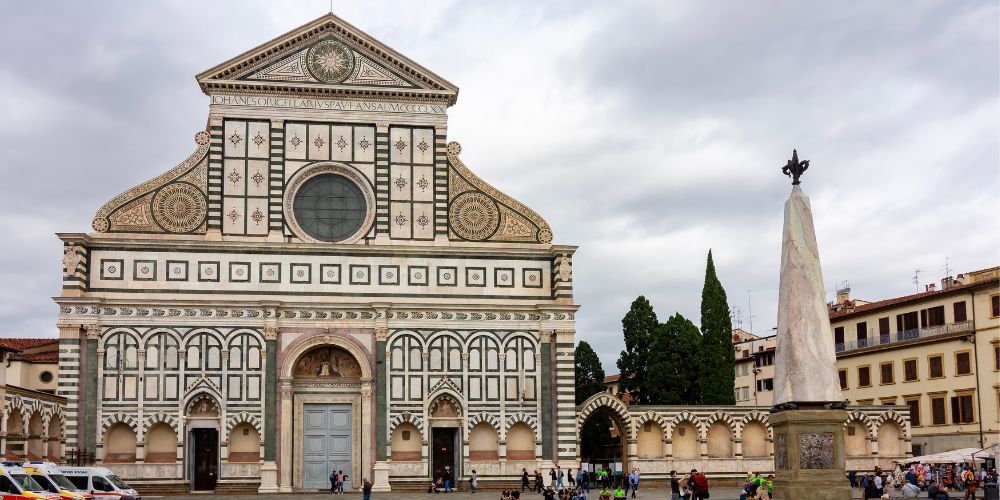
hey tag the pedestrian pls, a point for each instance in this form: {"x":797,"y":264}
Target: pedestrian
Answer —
{"x":675,"y":486}
{"x":340,"y":482}
{"x":970,"y":484}
{"x":333,"y":481}
{"x":580,"y":482}
{"x":559,"y":477}
{"x":447,"y":481}
{"x":473,"y":481}
{"x":633,"y":479}
{"x":552,"y":477}
{"x":935,"y":492}
{"x":366,"y":489}
{"x":572,"y":478}
{"x":538,"y":481}
{"x":524,"y":479}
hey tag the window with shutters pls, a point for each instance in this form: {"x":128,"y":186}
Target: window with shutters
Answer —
{"x":910,"y":370}
{"x":995,"y":306}
{"x":937,"y":411}
{"x":914,"y":405}
{"x":963,"y":366}
{"x":906,"y":322}
{"x":960,"y":312}
{"x":886,"y":373}
{"x":935,"y":366}
{"x":935,"y":316}
{"x":961,"y":409}
{"x":842,"y":373}
{"x":864,"y":376}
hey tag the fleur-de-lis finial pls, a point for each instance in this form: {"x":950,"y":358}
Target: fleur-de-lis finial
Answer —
{"x":795,"y":168}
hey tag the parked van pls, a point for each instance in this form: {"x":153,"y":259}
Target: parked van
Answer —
{"x":48,"y":476}
{"x":100,"y":482}
{"x":15,"y":481}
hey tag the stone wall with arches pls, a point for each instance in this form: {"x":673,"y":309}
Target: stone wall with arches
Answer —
{"x":33,"y":425}
{"x":731,"y":440}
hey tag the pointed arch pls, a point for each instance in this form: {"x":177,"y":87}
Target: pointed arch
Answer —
{"x":484,"y":417}
{"x":687,"y":416}
{"x":891,"y":415}
{"x":755,"y":416}
{"x":651,"y":416}
{"x":243,"y":417}
{"x":158,"y":417}
{"x":395,"y":421}
{"x":857,"y":416}
{"x":527,"y":419}
{"x":119,"y":417}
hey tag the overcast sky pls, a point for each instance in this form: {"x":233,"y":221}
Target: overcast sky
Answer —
{"x":644,"y":132}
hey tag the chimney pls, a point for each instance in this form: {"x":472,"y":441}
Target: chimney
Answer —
{"x":947,"y":283}
{"x":843,"y":295}
{"x":931,"y":288}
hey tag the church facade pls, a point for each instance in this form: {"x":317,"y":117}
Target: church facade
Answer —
{"x":321,"y":285}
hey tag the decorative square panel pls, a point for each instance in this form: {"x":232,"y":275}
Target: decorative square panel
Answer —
{"x":270,"y":272}
{"x":239,"y":272}
{"x":417,"y":275}
{"x":112,"y":269}
{"x":301,"y":273}
{"x":388,"y":275}
{"x":447,"y":276}
{"x":531,"y":278}
{"x":816,"y":450}
{"x":177,"y":270}
{"x":144,"y":270}
{"x":475,"y":276}
{"x":329,"y":274}
{"x":360,"y":274}
{"x":503,"y":277}
{"x":208,"y":271}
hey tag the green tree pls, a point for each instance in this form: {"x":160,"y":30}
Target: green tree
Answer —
{"x":716,"y":357}
{"x":595,"y":434}
{"x":673,"y":364}
{"x":638,"y":326}
{"x":589,"y":372}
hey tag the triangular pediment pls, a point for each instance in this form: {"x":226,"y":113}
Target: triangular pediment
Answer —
{"x":327,"y":56}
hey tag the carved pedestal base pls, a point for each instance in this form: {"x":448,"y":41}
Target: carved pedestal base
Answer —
{"x":268,"y":478}
{"x":380,"y":480}
{"x":809,"y":455}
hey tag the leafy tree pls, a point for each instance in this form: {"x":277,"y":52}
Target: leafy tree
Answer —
{"x":595,"y":434}
{"x":716,"y":361}
{"x":589,"y":372}
{"x":638,"y":326}
{"x":673,"y":363}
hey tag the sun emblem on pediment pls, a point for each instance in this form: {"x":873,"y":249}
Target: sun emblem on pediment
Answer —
{"x":330,"y":61}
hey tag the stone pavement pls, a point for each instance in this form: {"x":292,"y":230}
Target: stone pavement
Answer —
{"x":657,"y":494}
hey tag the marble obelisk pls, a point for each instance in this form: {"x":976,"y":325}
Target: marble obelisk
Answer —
{"x":808,"y":417}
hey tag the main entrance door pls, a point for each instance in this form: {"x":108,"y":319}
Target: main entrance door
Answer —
{"x":326,"y":445}
{"x":206,"y":458}
{"x":443,"y":457}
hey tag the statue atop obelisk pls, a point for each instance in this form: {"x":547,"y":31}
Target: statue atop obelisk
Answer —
{"x":808,"y":417}
{"x":805,"y":362}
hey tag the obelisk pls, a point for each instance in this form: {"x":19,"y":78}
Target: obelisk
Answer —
{"x":808,"y":417}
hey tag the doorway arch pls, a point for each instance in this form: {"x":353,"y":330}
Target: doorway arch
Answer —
{"x":606,"y":405}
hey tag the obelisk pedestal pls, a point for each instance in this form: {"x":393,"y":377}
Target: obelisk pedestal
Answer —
{"x":807,"y":420}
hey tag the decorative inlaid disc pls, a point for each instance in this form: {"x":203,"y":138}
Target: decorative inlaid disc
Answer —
{"x":474,"y":216}
{"x":179,"y":207}
{"x":330,"y":61}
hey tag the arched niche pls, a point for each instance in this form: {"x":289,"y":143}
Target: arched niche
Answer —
{"x":326,"y":362}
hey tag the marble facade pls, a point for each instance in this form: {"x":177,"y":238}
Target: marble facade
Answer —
{"x":216,"y":307}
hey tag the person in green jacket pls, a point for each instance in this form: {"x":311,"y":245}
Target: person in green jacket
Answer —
{"x":619,"y":493}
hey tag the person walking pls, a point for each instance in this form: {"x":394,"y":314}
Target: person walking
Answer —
{"x":366,"y":489}
{"x":970,"y":484}
{"x":538,"y":481}
{"x":559,"y":478}
{"x":473,"y":482}
{"x":633,"y":479}
{"x":552,"y":478}
{"x":580,"y":482}
{"x":572,"y":479}
{"x":524,"y":479}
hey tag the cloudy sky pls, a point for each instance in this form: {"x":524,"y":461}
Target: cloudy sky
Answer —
{"x":644,"y":132}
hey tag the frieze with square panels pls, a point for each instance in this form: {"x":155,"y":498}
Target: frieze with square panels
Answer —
{"x":318,"y":274}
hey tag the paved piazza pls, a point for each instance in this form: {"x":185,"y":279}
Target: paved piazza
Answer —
{"x":654,"y":494}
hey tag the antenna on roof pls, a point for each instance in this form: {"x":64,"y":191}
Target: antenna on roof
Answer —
{"x":916,"y":278}
{"x":947,"y":267}
{"x":750,"y":310}
{"x":736,"y":315}
{"x":331,"y":6}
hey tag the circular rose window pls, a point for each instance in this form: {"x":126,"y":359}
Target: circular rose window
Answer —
{"x":330,"y":207}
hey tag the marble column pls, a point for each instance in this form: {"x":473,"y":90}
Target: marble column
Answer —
{"x":285,"y":481}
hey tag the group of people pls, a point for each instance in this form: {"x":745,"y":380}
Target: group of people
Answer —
{"x":565,"y":485}
{"x":757,"y":487}
{"x":442,"y":481}
{"x":692,"y":487}
{"x":941,"y":482}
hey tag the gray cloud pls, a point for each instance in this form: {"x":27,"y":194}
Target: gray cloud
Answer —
{"x":645,"y":132}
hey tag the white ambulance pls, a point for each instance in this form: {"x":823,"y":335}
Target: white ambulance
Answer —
{"x":100,"y":482}
{"x":15,"y":482}
{"x":47,"y":475}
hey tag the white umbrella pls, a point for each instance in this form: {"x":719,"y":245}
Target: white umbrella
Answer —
{"x":961,"y":455}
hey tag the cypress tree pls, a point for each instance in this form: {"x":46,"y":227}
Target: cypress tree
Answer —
{"x":638,"y":326}
{"x":716,"y":358}
{"x":589,"y":372}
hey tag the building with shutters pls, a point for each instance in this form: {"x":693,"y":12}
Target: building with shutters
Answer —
{"x":937,"y":352}
{"x":323,"y":284}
